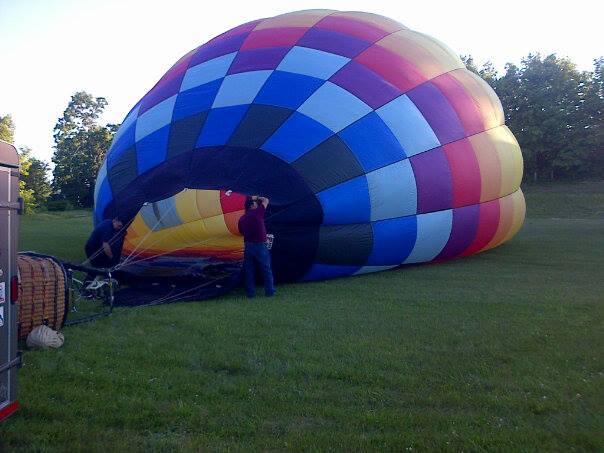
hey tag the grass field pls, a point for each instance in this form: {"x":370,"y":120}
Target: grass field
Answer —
{"x":502,"y":351}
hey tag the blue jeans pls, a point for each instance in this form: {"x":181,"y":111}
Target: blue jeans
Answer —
{"x":256,"y":253}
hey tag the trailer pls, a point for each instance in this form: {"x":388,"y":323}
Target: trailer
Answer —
{"x":11,"y":206}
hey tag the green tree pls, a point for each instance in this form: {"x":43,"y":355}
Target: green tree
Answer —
{"x":586,"y":134}
{"x":25,"y":192}
{"x":7,"y":128}
{"x":599,"y":76}
{"x":80,"y":146}
{"x":35,"y":180}
{"x":552,"y":109}
{"x":468,"y":60}
{"x":593,"y":117}
{"x":34,"y":187}
{"x":487,"y":72}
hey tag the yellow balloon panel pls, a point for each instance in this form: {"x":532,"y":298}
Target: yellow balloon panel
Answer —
{"x":205,"y":228}
{"x":426,"y":54}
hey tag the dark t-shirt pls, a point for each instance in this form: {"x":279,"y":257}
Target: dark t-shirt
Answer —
{"x":104,"y":232}
{"x":251,"y":225}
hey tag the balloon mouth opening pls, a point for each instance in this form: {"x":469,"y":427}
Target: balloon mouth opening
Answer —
{"x":191,"y":234}
{"x":181,"y":192}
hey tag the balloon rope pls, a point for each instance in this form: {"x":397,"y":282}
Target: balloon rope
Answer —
{"x":171,"y":297}
{"x":151,"y":230}
{"x":132,"y":262}
{"x":130,"y":259}
{"x":167,"y":298}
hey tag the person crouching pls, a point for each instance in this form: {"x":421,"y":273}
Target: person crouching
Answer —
{"x":104,"y":247}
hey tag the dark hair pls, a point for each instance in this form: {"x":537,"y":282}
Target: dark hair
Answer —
{"x":248,"y":203}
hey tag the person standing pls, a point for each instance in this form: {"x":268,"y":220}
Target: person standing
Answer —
{"x":251,"y":226}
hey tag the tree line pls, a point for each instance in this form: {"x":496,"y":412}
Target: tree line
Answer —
{"x":553,"y":109}
{"x":80,"y":147}
{"x":34,"y":185}
{"x":555,"y":112}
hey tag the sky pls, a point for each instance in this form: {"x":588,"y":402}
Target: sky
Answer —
{"x":118,"y":49}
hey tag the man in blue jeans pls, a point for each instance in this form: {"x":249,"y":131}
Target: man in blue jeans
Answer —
{"x":251,"y":226}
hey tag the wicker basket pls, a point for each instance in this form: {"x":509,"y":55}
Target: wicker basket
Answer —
{"x":42,"y":293}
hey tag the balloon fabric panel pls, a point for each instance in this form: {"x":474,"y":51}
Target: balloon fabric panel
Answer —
{"x":375,"y":145}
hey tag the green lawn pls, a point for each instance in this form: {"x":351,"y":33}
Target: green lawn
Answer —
{"x":500,"y":351}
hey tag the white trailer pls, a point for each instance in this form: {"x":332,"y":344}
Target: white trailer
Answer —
{"x":10,"y":208}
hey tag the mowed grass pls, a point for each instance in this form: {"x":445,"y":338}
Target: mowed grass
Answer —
{"x":580,"y":200}
{"x":501,"y":351}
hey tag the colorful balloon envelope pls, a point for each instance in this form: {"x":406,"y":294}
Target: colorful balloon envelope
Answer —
{"x":374,"y":143}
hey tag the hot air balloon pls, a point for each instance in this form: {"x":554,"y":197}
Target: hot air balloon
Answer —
{"x":374,"y":143}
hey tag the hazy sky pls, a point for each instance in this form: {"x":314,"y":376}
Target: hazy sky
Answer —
{"x":118,"y":49}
